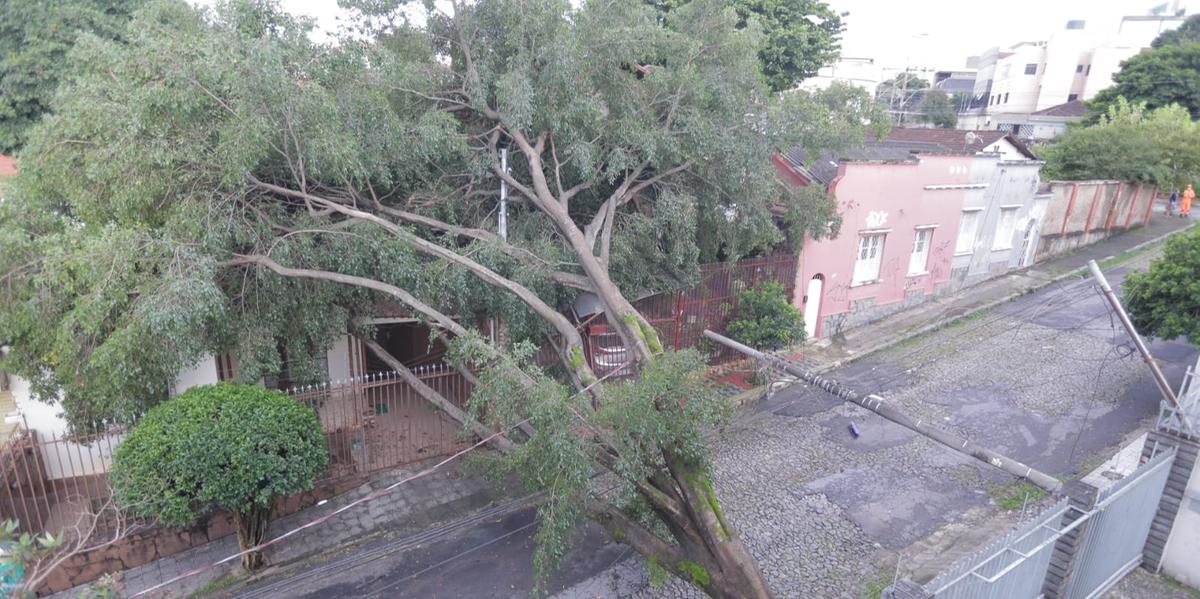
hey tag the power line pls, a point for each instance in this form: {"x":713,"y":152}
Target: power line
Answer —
{"x":363,"y":499}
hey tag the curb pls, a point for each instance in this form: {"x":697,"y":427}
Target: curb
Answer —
{"x":928,"y":328}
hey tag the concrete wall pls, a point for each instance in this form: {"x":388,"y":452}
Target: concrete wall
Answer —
{"x":1181,"y":560}
{"x":894,"y":198}
{"x":1008,"y":184}
{"x":203,"y":372}
{"x":1084,"y":212}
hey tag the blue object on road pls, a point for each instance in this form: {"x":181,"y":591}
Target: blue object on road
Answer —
{"x":853,"y":429}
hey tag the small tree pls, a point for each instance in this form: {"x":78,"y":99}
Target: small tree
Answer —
{"x":937,"y":109}
{"x":234,"y":447}
{"x":766,"y":319}
{"x":1165,"y":301}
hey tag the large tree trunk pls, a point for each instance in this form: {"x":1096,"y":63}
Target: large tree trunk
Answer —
{"x":252,"y":531}
{"x":707,"y":552}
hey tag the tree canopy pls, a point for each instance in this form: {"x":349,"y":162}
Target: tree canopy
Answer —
{"x":1167,"y":73}
{"x":35,"y":38}
{"x":1165,"y":301}
{"x":800,"y":36}
{"x":936,"y":108}
{"x":221,"y":183}
{"x":224,"y":446}
{"x":1129,"y":143}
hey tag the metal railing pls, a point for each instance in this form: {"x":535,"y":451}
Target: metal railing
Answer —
{"x":372,"y":423}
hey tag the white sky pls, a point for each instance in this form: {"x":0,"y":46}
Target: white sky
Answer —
{"x":956,"y":29}
{"x":885,"y":29}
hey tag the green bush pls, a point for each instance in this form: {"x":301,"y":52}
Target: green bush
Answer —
{"x":224,"y":446}
{"x":766,"y":319}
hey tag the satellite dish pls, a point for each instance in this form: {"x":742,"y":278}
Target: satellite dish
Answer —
{"x":972,"y":138}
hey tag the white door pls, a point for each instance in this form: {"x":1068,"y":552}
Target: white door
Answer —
{"x":812,"y":307}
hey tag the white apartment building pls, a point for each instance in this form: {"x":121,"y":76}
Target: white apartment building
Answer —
{"x":1075,"y":63}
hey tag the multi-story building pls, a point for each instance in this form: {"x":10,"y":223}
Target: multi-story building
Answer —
{"x":1075,"y":63}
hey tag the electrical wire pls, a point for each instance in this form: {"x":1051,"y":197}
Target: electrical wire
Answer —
{"x":370,"y":496}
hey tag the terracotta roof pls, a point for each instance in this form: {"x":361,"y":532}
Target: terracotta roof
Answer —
{"x":8,"y":165}
{"x":1072,"y":109}
{"x":956,"y":139}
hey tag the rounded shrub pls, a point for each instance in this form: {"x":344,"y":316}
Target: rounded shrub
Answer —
{"x":223,"y":446}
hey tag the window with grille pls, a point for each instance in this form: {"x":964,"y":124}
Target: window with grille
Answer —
{"x":870,"y":254}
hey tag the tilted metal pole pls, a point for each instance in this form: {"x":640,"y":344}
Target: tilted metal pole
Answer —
{"x":876,"y":404}
{"x":1159,"y":379}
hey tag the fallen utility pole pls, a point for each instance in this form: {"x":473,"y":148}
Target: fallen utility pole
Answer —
{"x":876,"y":404}
{"x":1159,"y":379}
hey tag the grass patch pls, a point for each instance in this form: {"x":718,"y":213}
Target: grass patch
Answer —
{"x":215,"y":585}
{"x":1128,"y":255}
{"x":1014,"y":496}
{"x":876,"y":585}
{"x":1179,"y":586}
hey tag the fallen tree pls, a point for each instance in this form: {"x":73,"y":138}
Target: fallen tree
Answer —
{"x":223,"y":184}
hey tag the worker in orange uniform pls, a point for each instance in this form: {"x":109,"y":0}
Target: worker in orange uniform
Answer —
{"x":1185,"y":206}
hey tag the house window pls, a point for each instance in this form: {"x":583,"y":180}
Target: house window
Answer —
{"x":870,"y":254}
{"x":1072,"y":97}
{"x":1006,"y":97}
{"x":1004,"y":229}
{"x":1088,"y":71}
{"x":966,"y":232}
{"x":1031,"y":68}
{"x":1078,"y":68}
{"x":919,"y":260}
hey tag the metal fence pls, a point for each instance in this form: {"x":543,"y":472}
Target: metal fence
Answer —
{"x":371,"y":423}
{"x":681,"y":317}
{"x":1118,"y":528}
{"x":1013,"y":566}
{"x":1017,"y":565}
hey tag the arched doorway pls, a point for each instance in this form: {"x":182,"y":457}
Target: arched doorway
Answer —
{"x":812,"y":305}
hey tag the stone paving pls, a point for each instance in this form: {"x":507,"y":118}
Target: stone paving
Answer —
{"x":826,"y":514}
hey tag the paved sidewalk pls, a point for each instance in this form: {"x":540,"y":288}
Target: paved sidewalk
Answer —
{"x":826,"y":355}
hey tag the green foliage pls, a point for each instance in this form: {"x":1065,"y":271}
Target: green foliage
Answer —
{"x":667,"y":406}
{"x":937,"y":109}
{"x":1166,"y":73}
{"x":1188,"y":33}
{"x":119,"y":239}
{"x":801,"y":36}
{"x":1017,"y":495}
{"x":765,"y":318}
{"x":228,"y":446}
{"x":35,"y":38}
{"x":658,"y":575}
{"x":696,"y":573}
{"x":1165,"y":300}
{"x":1129,"y":143}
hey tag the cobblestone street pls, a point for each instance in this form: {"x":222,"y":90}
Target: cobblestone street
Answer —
{"x":1048,"y":379}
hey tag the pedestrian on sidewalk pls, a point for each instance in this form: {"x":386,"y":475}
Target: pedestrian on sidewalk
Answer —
{"x":1185,"y":207}
{"x":1172,"y":203}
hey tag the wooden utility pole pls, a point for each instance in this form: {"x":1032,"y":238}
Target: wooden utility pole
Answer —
{"x":1159,"y":379}
{"x":879,"y":406}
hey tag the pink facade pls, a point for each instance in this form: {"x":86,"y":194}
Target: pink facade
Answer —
{"x":902,"y":207}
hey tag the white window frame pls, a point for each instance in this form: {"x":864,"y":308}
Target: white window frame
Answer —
{"x":868,"y":257}
{"x":918,"y":261}
{"x":1006,"y":226}
{"x":965,"y":243}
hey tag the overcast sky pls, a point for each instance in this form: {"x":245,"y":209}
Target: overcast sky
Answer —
{"x":885,"y":29}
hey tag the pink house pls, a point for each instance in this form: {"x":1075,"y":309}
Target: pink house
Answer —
{"x":901,"y":204}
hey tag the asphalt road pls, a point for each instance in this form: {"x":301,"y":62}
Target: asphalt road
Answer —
{"x":1047,"y":379}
